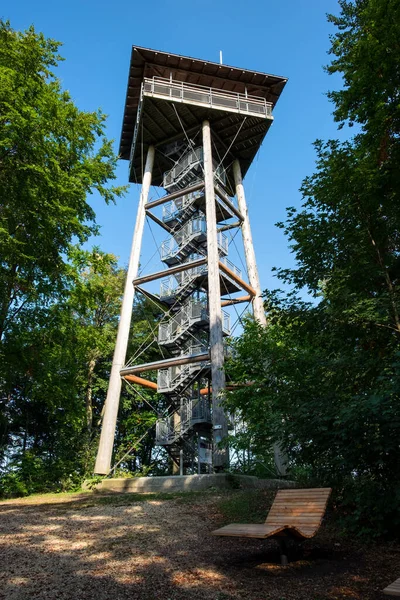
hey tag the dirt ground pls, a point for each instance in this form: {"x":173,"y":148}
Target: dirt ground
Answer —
{"x":85,"y":547}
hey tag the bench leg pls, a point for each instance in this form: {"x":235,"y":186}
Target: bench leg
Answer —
{"x":283,"y":550}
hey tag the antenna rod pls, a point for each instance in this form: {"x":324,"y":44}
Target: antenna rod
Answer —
{"x":220,"y":57}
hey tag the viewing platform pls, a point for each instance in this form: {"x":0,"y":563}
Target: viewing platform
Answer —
{"x":200,"y":95}
{"x":167,"y":91}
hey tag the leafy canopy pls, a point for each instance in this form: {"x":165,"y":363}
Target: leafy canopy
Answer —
{"x":326,"y":374}
{"x":52,"y":155}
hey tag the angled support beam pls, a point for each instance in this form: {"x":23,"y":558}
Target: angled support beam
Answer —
{"x":230,"y":226}
{"x":162,"y":305}
{"x":179,"y":194}
{"x":104,"y":454}
{"x":165,"y":363}
{"x":171,"y":271}
{"x":238,"y":280}
{"x":158,"y":221}
{"x":225,"y":198}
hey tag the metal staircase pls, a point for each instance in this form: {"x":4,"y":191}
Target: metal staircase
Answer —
{"x":193,"y":411}
{"x":188,"y":171}
{"x":191,"y":236}
{"x":186,"y":330}
{"x":182,"y":325}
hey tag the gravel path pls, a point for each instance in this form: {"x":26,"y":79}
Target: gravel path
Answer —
{"x":153,"y":549}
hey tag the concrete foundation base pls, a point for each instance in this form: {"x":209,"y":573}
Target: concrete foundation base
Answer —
{"x":189,"y":483}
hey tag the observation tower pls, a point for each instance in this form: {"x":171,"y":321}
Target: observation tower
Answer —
{"x":192,"y":128}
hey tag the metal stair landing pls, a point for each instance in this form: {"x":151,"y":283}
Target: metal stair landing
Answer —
{"x":172,"y":428}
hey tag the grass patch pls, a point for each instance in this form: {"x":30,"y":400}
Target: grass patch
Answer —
{"x":115,"y":499}
{"x":246,"y":506}
{"x":90,"y":499}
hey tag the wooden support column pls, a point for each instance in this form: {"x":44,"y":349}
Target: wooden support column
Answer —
{"x":280,"y":456}
{"x":258,"y":305}
{"x":220,"y":421}
{"x":104,"y":454}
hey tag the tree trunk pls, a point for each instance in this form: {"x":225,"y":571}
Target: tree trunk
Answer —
{"x":89,"y":395}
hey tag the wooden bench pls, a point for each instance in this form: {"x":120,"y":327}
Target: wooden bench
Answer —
{"x":393,"y":589}
{"x":295,"y":514}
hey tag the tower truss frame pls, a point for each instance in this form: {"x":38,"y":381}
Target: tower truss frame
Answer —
{"x":198,"y":125}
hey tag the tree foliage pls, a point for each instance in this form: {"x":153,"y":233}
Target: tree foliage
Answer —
{"x":52,"y":156}
{"x":58,"y":304}
{"x":328,"y":376}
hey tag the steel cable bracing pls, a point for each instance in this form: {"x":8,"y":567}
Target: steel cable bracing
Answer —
{"x":172,"y":231}
{"x":165,"y":413}
{"x":232,"y":240}
{"x":134,"y":446}
{"x":130,"y":451}
{"x":226,"y":168}
{"x":142,"y":397}
{"x":153,"y":331}
{"x":186,"y":135}
{"x":190,"y":146}
{"x":163,"y":320}
{"x":232,"y":142}
{"x":239,"y":317}
{"x":166,"y":314}
{"x":141,"y":350}
{"x":152,"y":235}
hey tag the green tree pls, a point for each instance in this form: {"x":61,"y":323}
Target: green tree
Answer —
{"x":329,"y":370}
{"x":52,"y":156}
{"x":59,"y":357}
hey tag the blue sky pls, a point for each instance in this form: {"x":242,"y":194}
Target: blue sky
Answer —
{"x":288,"y":38}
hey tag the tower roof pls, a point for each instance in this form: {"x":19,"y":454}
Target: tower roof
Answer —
{"x":166,"y":120}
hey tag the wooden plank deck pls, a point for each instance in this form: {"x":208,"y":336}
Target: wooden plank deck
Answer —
{"x":393,"y":589}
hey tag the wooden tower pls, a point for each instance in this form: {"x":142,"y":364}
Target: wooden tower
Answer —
{"x":192,"y":128}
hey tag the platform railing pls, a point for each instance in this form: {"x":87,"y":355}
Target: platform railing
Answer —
{"x":169,"y":379}
{"x":231,"y":266}
{"x":214,"y":98}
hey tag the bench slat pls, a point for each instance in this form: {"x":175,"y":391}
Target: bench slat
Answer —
{"x":298,"y":511}
{"x":393,"y":589}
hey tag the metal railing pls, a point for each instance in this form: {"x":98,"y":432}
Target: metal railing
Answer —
{"x":195,"y":410}
{"x":174,"y":208}
{"x":169,"y":379}
{"x":193,"y":230}
{"x":199,"y":94}
{"x":191,"y":313}
{"x":190,"y":161}
{"x":231,"y":266}
{"x":174,"y":284}
{"x":192,"y":412}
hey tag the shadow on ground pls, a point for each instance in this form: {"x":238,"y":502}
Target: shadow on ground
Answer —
{"x":162,"y":549}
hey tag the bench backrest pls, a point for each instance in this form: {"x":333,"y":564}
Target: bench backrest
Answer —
{"x":296,"y":508}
